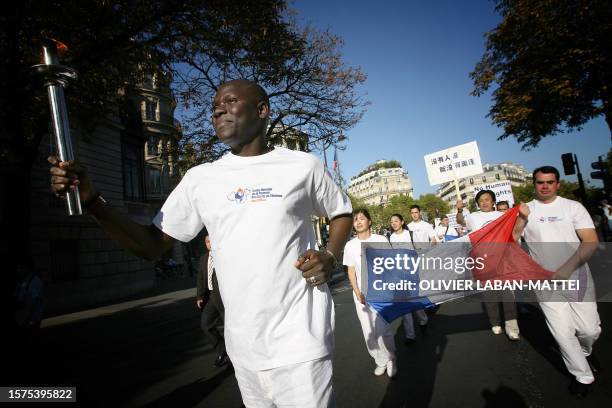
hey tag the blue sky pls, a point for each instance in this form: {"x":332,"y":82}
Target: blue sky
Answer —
{"x":418,"y":56}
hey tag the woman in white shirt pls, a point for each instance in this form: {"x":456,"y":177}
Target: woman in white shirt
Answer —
{"x":402,"y":234}
{"x":376,"y":331}
{"x":474,"y":221}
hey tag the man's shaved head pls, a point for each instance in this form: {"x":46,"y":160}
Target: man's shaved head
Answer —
{"x":256,"y":90}
{"x":241,"y":114}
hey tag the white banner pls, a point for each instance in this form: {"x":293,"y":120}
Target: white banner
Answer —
{"x":452,"y":219}
{"x":454,"y":162}
{"x":502,"y":190}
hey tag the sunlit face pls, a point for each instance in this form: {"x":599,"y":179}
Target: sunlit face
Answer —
{"x":546,"y":186}
{"x":486,"y":203}
{"x":502,"y":207}
{"x":415,"y":214}
{"x":237,"y":116}
{"x":396,"y":223}
{"x":361,"y":223}
{"x":207,"y":243}
{"x":444,"y":222}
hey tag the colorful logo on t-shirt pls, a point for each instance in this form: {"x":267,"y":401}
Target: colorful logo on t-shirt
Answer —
{"x":242,"y":195}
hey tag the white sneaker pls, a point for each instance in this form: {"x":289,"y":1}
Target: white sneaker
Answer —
{"x":380,"y":370}
{"x":496,"y":329}
{"x":512,"y":330}
{"x":391,"y":368}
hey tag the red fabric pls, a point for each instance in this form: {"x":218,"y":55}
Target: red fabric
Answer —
{"x":504,"y":259}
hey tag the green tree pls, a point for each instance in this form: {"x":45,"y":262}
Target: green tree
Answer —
{"x":399,"y":205}
{"x":433,"y":206}
{"x":523,"y":193}
{"x":472,"y":207}
{"x":357,"y":202}
{"x":567,"y":189}
{"x":552,"y":63}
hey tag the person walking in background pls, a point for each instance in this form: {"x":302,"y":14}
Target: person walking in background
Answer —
{"x":402,"y":234}
{"x":376,"y":331}
{"x":444,"y":232}
{"x":502,"y":206}
{"x":28,"y":300}
{"x":474,"y":221}
{"x":209,"y":302}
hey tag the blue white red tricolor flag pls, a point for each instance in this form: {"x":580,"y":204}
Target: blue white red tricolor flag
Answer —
{"x":335,"y":164}
{"x":445,"y":271}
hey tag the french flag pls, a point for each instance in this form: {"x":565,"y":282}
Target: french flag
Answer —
{"x":501,"y":259}
{"x":335,"y":164}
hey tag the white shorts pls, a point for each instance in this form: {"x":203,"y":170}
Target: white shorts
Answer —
{"x":301,"y":385}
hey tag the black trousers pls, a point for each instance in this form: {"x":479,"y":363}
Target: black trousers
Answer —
{"x":213,"y":316}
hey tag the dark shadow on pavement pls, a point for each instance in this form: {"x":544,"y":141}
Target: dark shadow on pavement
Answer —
{"x":417,"y":362}
{"x":119,"y":357}
{"x":192,"y":394}
{"x":535,"y":331}
{"x":503,"y":397}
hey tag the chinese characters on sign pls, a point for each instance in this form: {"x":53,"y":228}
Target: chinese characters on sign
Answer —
{"x":453,"y":163}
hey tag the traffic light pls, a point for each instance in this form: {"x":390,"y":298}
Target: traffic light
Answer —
{"x":602,"y":172}
{"x":568,"y":164}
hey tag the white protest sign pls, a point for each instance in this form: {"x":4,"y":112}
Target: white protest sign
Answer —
{"x":453,"y":163}
{"x":502,"y":190}
{"x":452,"y":220}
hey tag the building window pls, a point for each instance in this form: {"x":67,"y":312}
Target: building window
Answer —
{"x":150,"y":109}
{"x":153,"y":146}
{"x":471,"y":181}
{"x":150,"y":81}
{"x":496,"y":176}
{"x":484,"y":179}
{"x":133,"y":171}
{"x":153,"y":180}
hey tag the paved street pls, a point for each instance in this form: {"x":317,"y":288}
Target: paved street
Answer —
{"x":151,"y":352}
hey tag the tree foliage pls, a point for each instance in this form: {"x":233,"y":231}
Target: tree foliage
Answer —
{"x":199,"y":43}
{"x":311,"y":90}
{"x":552,"y":62}
{"x":567,"y":189}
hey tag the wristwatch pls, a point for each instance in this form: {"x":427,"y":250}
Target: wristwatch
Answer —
{"x":333,"y":256}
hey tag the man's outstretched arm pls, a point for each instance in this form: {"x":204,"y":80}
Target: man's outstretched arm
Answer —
{"x":145,"y":241}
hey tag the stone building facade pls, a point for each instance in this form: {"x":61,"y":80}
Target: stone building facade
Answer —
{"x":131,"y":158}
{"x":381,"y":181}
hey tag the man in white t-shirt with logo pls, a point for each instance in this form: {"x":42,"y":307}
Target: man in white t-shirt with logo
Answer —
{"x":257,"y":202}
{"x":574,"y":323}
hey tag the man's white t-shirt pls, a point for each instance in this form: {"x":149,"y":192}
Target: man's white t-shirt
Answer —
{"x":422,"y":231}
{"x":555,"y":222}
{"x":352,"y":254}
{"x":441,"y":231}
{"x":476,"y":220}
{"x":258,"y":212}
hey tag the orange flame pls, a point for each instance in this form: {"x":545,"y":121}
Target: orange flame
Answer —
{"x":61,"y":47}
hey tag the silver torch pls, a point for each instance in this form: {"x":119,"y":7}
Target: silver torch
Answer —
{"x":56,"y":77}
